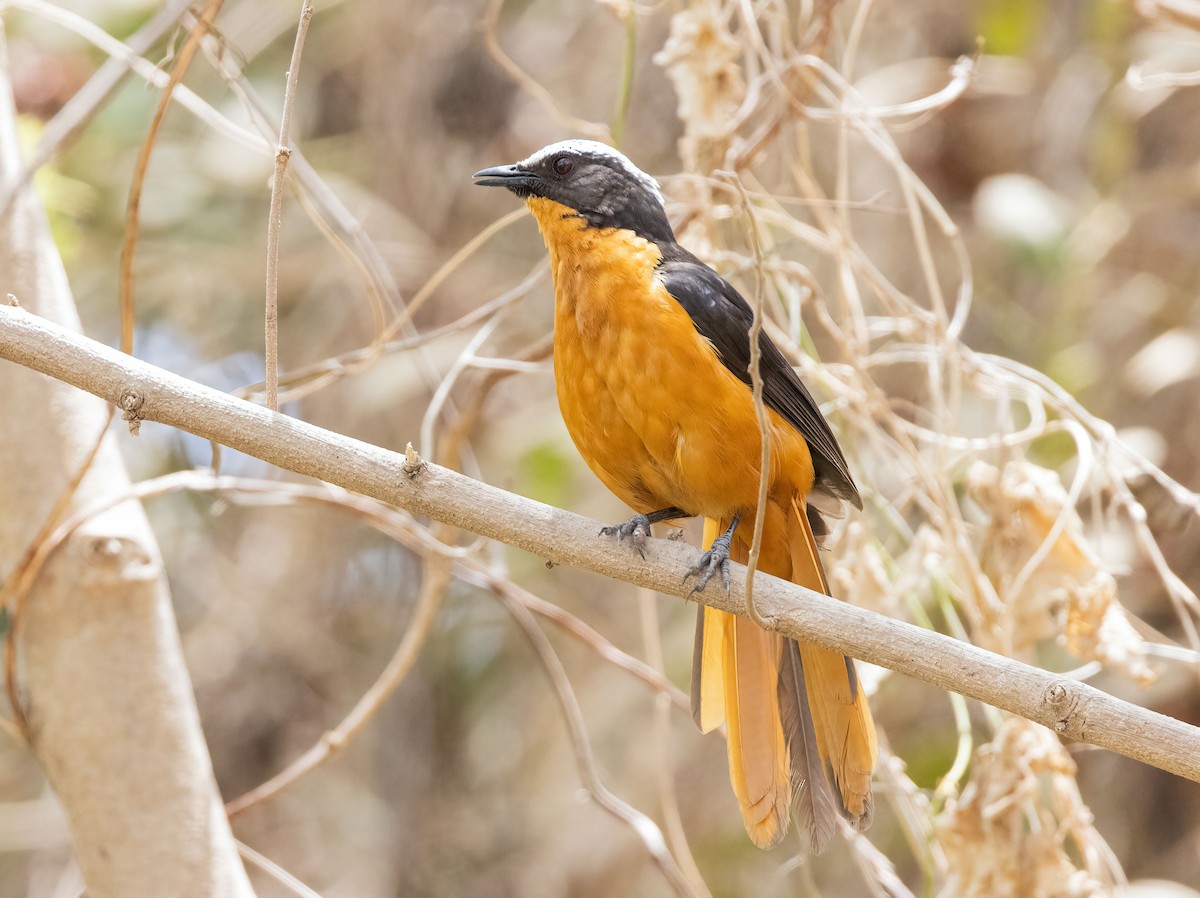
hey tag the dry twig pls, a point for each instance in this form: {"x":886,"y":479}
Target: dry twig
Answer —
{"x":69,"y":122}
{"x":283,"y":153}
{"x":641,"y":825}
{"x":129,"y":246}
{"x":433,"y":588}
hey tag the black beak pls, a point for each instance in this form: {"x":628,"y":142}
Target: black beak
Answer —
{"x":509,"y":176}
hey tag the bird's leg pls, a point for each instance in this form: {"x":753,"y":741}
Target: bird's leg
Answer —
{"x":715,"y":559}
{"x":637,"y":528}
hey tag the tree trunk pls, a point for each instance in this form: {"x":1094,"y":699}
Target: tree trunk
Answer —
{"x":102,"y":678}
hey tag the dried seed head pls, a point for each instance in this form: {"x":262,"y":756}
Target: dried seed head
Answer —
{"x":700,"y":57}
{"x":1008,"y":832}
{"x":1069,"y":595}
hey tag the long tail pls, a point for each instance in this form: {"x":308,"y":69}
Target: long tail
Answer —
{"x":794,"y":715}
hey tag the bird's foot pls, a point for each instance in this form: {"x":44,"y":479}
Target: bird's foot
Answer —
{"x":714,"y":560}
{"x":636,"y":530}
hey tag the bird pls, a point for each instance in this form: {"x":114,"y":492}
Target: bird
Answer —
{"x":651,"y":368}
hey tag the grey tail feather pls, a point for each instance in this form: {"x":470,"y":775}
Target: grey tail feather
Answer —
{"x":816,"y":807}
{"x":697,"y":658}
{"x":816,"y":521}
{"x":862,"y":822}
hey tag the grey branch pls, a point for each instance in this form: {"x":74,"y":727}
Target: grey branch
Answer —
{"x":1073,"y":709}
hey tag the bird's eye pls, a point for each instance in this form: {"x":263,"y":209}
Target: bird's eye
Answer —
{"x":563,"y":165}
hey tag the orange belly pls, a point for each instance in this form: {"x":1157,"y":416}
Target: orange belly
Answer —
{"x":647,"y":401}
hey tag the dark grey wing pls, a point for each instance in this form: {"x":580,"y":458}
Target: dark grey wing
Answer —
{"x":722,"y":316}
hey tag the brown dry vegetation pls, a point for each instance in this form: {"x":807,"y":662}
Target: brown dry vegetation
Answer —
{"x":979,"y":225}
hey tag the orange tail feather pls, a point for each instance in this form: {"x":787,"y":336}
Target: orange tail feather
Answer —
{"x":842,"y":719}
{"x":792,"y":711}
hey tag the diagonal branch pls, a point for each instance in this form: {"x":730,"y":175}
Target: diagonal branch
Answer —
{"x":1073,"y":709}
{"x":645,"y":828}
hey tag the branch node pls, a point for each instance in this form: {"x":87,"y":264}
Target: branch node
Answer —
{"x":13,"y":301}
{"x":283,"y":154}
{"x":1063,"y":700}
{"x":131,"y":403}
{"x":413,"y":463}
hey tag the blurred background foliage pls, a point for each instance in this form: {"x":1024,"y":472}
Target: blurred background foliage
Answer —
{"x":1069,"y":164}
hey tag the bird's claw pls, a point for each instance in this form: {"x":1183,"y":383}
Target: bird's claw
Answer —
{"x":636,"y":530}
{"x":715,"y":559}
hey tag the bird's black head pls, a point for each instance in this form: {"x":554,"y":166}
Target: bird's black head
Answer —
{"x":592,"y":179}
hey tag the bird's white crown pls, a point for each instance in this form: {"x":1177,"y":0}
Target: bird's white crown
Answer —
{"x":595,"y":148}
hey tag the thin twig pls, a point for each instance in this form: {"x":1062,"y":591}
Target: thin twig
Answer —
{"x":129,"y":244}
{"x":760,"y":408}
{"x":276,"y":872}
{"x":664,"y":773}
{"x":491,"y":40}
{"x":298,"y":381}
{"x":283,"y":153}
{"x":628,"y":16}
{"x":144,"y":69}
{"x":641,"y":825}
{"x":86,"y":102}
{"x":433,"y":588}
{"x":387,"y":520}
{"x":442,"y":394}
{"x":20,"y":579}
{"x":571,"y":624}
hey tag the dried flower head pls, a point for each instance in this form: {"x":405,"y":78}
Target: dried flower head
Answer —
{"x":1007,"y":833}
{"x":701,"y":59}
{"x":1068,"y":595}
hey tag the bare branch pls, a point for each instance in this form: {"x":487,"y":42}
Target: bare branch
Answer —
{"x":70,"y":121}
{"x":756,"y":385}
{"x":129,"y":245}
{"x":282,"y":154}
{"x":20,"y":580}
{"x":441,"y":558}
{"x":433,"y":588}
{"x":643,"y":827}
{"x":143,"y":68}
{"x":663,"y":769}
{"x":276,"y":872}
{"x":1072,"y":709}
{"x":491,"y":21}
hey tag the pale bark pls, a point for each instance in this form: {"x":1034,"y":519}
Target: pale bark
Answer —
{"x":1074,"y":709}
{"x":112,"y":716}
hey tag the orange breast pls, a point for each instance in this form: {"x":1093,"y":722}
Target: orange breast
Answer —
{"x":647,"y":401}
